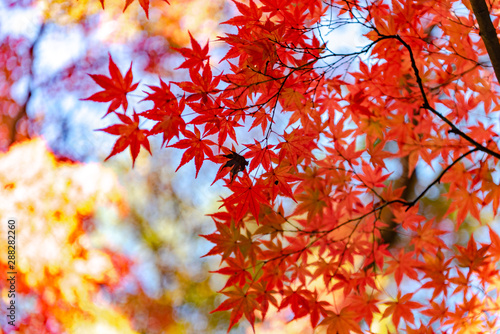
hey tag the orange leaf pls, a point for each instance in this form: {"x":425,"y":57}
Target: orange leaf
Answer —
{"x":345,"y":322}
{"x":402,"y":307}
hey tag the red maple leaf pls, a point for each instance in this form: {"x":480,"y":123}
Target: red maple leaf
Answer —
{"x":470,"y":256}
{"x":194,"y":56}
{"x":115,"y":87}
{"x":246,"y":196}
{"x":170,"y":124}
{"x":196,"y":148}
{"x":168,"y":115}
{"x":227,"y":240}
{"x":239,"y":302}
{"x":161,"y":96}
{"x":261,"y":156}
{"x":279,"y":180}
{"x":237,"y":270}
{"x":201,"y":86}
{"x":297,"y":144}
{"x":130,"y":135}
{"x":298,"y":302}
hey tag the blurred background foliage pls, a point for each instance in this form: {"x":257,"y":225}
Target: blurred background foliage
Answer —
{"x":102,"y":248}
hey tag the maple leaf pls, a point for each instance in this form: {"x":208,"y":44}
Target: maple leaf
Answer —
{"x":236,"y":162}
{"x":436,"y":268}
{"x":298,"y":302}
{"x":492,"y":194}
{"x":373,"y":178}
{"x":427,"y":238}
{"x":215,"y":119}
{"x":195,"y":56}
{"x":311,"y":202}
{"x":170,"y":125}
{"x":318,"y":309}
{"x":162,"y":96}
{"x":366,"y":305}
{"x":169,"y":120}
{"x":344,"y":322}
{"x":227,"y":241}
{"x":260,"y":155}
{"x":239,"y":302}
{"x":196,"y":148}
{"x":297,"y":144}
{"x":237,"y":270}
{"x":261,"y":117}
{"x":402,"y":307}
{"x":494,"y":248}
{"x":130,"y":135}
{"x":466,"y":202}
{"x":437,"y":312}
{"x":405,"y":264}
{"x":470,"y":256}
{"x":423,"y":329}
{"x":115,"y":87}
{"x":246,"y":196}
{"x":202,"y":86}
{"x":275,"y":6}
{"x":279,"y":179}
{"x":264,"y":296}
{"x":250,"y":13}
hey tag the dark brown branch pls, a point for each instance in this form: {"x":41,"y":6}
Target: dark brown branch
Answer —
{"x":426,"y":105}
{"x":488,"y":33}
{"x":438,"y":179}
{"x":23,"y":109}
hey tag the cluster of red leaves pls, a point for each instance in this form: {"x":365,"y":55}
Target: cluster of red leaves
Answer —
{"x":302,"y":228}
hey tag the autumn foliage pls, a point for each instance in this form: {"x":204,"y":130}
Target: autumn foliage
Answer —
{"x":349,"y":172}
{"x":59,"y":271}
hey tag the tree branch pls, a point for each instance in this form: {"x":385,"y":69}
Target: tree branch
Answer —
{"x":438,"y":179}
{"x":488,"y":33}
{"x":426,"y":105}
{"x":23,"y":110}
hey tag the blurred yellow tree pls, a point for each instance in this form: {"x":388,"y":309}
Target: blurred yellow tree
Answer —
{"x":60,"y":273}
{"x":74,"y":225}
